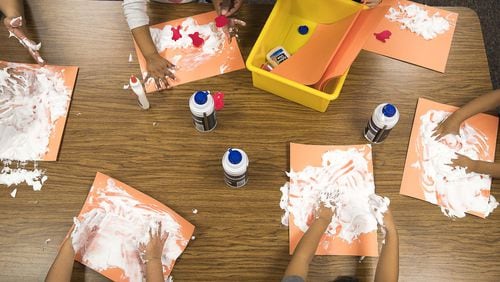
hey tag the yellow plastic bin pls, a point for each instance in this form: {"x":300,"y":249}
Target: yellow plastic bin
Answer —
{"x":281,"y":30}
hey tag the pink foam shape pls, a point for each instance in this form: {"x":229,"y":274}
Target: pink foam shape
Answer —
{"x":176,"y":33}
{"x":197,"y":40}
{"x":382,"y":36}
{"x":218,"y":100}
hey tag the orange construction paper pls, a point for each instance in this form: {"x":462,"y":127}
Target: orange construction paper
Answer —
{"x":309,"y":63}
{"x":412,"y":184}
{"x":302,"y":156}
{"x":69,"y":74}
{"x":193,"y":65}
{"x":99,"y":186}
{"x":409,"y":47}
{"x":350,"y":47}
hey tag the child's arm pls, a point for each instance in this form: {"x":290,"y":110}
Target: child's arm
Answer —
{"x":13,"y":21}
{"x":62,"y":267}
{"x":483,"y":167}
{"x":388,"y":262}
{"x":157,"y":67}
{"x":304,"y":252}
{"x":480,"y":104}
{"x":153,"y":252}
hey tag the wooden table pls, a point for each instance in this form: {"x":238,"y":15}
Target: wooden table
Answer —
{"x":239,"y":237}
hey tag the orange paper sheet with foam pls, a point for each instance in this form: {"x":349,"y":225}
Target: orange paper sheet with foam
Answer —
{"x":100,"y":197}
{"x":196,"y":63}
{"x":410,"y":47}
{"x":302,"y":156}
{"x":68,"y":74}
{"x":309,"y":63}
{"x":426,"y":176}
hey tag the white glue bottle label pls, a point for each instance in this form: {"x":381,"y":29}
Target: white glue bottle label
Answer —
{"x":384,"y":118}
{"x":235,"y":164}
{"x":202,"y":109}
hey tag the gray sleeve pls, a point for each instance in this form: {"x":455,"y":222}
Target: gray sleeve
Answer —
{"x":135,"y":13}
{"x":293,"y":278}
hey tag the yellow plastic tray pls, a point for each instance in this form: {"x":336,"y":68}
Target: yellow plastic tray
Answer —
{"x":281,"y":29}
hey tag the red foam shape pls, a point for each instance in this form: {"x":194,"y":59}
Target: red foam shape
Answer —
{"x":197,"y":40}
{"x":218,"y":100}
{"x":382,"y":36}
{"x":221,"y":21}
{"x":176,"y":33}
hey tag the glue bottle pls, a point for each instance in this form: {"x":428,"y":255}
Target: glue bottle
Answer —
{"x":139,"y":91}
{"x":384,"y":118}
{"x":235,"y":164}
{"x":202,"y":109}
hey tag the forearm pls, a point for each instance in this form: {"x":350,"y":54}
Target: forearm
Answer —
{"x":142,"y":37}
{"x":490,"y":168}
{"x":12,"y":8}
{"x":480,"y":104}
{"x":388,"y":263}
{"x":154,"y":271}
{"x":305,"y":250}
{"x":62,"y":268}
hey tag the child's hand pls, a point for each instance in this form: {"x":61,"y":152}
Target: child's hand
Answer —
{"x":154,"y":249}
{"x":325,"y":213}
{"x":14,"y":26}
{"x":227,"y":7}
{"x":448,"y":126}
{"x":159,"y":69}
{"x":464,"y":161}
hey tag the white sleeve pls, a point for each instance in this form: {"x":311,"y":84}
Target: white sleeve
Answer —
{"x":135,"y":13}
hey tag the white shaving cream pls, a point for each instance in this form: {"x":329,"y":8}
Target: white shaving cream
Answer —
{"x":417,"y":20}
{"x":109,"y":236}
{"x":344,"y":183}
{"x":214,"y":41}
{"x":32,"y":99}
{"x":458,"y":191}
{"x":15,"y":176}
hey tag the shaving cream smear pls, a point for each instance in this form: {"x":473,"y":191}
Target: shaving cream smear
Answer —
{"x":342,"y":182}
{"x":455,"y":190}
{"x":214,"y":37}
{"x":109,"y":235}
{"x":417,"y":20}
{"x":32,"y":99}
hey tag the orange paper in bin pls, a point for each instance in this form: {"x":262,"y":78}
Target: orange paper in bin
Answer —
{"x":121,"y":217}
{"x":332,"y":49}
{"x":309,"y":63}
{"x":360,"y":31}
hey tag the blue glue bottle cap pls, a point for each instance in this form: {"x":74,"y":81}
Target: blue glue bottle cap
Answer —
{"x":389,"y":110}
{"x":303,"y":29}
{"x":201,"y":97}
{"x":234,"y":157}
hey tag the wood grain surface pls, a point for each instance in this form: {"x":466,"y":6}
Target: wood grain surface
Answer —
{"x":238,"y":232}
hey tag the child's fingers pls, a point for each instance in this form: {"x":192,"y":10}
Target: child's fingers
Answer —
{"x":158,"y":232}
{"x":236,"y":5}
